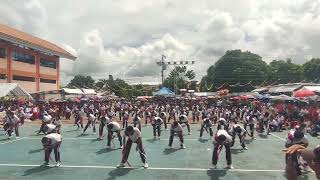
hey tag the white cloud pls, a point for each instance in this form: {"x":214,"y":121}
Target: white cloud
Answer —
{"x":126,"y":37}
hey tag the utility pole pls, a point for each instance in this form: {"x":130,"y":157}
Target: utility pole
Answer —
{"x":164,"y":65}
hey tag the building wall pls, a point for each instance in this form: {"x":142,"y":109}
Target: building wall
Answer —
{"x":10,"y":67}
{"x":25,"y":67}
{"x":48,"y":71}
{"x":47,"y":86}
{"x":3,"y":63}
{"x":28,"y":86}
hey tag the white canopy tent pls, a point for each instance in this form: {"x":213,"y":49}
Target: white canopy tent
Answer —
{"x":13,"y":90}
{"x":89,"y":91}
{"x":72,"y":91}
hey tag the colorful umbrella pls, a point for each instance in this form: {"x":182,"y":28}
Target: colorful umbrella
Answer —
{"x":304,"y":93}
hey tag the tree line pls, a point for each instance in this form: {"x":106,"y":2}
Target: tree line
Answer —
{"x":236,"y":69}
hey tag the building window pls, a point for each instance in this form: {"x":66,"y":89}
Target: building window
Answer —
{"x":48,"y":81}
{"x":23,"y":57}
{"x":48,"y":63}
{"x":3,"y":76}
{"x":23,"y":78}
{"x":2,"y":53}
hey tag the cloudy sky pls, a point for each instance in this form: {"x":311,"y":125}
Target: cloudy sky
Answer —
{"x":126,"y":37}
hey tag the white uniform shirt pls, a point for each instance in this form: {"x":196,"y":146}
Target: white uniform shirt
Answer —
{"x":136,"y":135}
{"x":54,"y":137}
{"x":116,"y":126}
{"x":184,"y":119}
{"x":177,"y":128}
{"x":222,"y":132}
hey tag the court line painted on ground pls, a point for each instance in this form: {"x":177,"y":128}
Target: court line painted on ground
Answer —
{"x":11,"y":141}
{"x":278,"y":137}
{"x":150,"y":168}
{"x":186,"y":139}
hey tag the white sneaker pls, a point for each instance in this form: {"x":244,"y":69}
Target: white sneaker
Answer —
{"x":108,"y":147}
{"x":146,"y":165}
{"x":18,"y":137}
{"x":120,"y":165}
{"x":229,"y":167}
{"x":58,"y":164}
{"x":182,"y":146}
{"x":121,"y":147}
{"x":189,"y":133}
{"x":245,"y":148}
{"x":214,"y":167}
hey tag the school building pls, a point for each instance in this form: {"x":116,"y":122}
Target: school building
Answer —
{"x":29,"y":61}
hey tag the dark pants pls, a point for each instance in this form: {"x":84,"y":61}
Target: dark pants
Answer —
{"x":101,"y":126}
{"x":10,"y":127}
{"x":110,"y":136}
{"x":241,"y":139}
{"x":146,"y":120}
{"x":194,"y":118}
{"x":78,"y":122}
{"x":172,"y":133}
{"x":127,"y":148}
{"x":135,"y":124}
{"x":124,"y":123}
{"x":215,"y":155}
{"x":56,"y":151}
{"x":88,"y":124}
{"x":156,"y":129}
{"x":42,"y":127}
{"x":203,"y":127}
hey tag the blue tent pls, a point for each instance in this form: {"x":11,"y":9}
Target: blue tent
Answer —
{"x":164,"y":92}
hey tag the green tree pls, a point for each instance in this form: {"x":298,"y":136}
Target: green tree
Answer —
{"x":119,"y":87}
{"x":284,"y":71}
{"x":80,"y":81}
{"x":236,"y":67}
{"x":179,"y":76}
{"x":312,"y":70}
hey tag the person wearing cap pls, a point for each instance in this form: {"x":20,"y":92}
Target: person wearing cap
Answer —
{"x":222,"y":138}
{"x":176,"y":129}
{"x":311,"y":156}
{"x":183,"y":119}
{"x":114,"y":127}
{"x":52,"y":142}
{"x":132,"y":135}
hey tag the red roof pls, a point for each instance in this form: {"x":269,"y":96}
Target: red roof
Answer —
{"x":13,"y":35}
